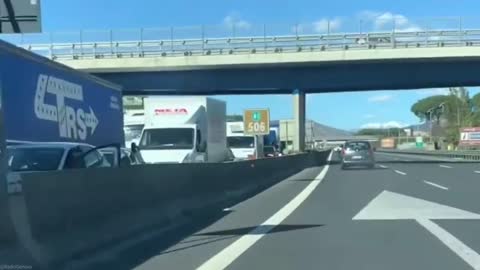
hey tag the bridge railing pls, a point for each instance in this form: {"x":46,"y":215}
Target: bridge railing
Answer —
{"x":243,"y":38}
{"x":255,"y":45}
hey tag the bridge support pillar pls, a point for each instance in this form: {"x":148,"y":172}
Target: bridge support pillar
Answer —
{"x":299,"y":120}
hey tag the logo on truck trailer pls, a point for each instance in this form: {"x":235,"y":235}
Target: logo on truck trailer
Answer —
{"x":171,"y":111}
{"x":72,"y":122}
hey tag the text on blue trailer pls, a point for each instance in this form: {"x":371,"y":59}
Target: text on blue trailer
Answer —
{"x":44,"y":101}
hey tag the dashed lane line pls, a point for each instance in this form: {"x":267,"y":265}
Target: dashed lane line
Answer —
{"x":435,"y":185}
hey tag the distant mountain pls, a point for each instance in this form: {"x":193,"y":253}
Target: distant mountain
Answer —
{"x":424,"y":127}
{"x":319,"y":131}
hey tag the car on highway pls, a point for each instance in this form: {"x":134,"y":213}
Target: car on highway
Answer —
{"x":269,"y":151}
{"x":50,"y":156}
{"x":357,"y":153}
{"x":127,"y":157}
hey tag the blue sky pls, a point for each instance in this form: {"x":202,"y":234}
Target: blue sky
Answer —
{"x":380,"y":108}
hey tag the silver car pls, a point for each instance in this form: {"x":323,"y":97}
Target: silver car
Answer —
{"x":49,"y":156}
{"x":357,"y":153}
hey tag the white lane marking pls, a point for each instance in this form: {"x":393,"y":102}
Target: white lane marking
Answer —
{"x":463,"y":251}
{"x":477,"y":171}
{"x":228,"y":209}
{"x":445,"y":166}
{"x":400,"y":172}
{"x":392,"y":206}
{"x":382,"y":166}
{"x":435,"y":185}
{"x":225,"y":257}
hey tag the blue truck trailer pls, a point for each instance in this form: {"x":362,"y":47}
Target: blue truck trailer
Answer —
{"x":44,"y":101}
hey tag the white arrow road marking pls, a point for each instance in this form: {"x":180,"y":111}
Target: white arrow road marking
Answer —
{"x":445,"y":166}
{"x":400,"y":172}
{"x":382,"y":166}
{"x":435,"y":185}
{"x":225,"y":257}
{"x":392,"y":206}
{"x":458,"y":247}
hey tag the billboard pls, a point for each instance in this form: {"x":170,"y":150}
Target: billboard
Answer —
{"x":388,"y":143}
{"x":470,"y":136}
{"x":20,"y":16}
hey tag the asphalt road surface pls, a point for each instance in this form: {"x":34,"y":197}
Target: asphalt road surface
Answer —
{"x":408,"y":213}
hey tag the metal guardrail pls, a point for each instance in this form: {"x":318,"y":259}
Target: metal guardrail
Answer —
{"x":255,"y":44}
{"x":465,"y":155}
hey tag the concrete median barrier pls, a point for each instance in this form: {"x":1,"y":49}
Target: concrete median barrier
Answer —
{"x":7,"y":232}
{"x":471,"y":155}
{"x":71,"y":212}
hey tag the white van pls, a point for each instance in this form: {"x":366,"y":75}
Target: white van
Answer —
{"x":243,"y":146}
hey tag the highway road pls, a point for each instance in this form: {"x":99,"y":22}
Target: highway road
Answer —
{"x":408,"y":213}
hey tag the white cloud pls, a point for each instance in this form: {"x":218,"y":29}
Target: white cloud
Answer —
{"x":235,"y":20}
{"x":380,"y":98}
{"x":368,"y":116}
{"x":326,"y":25}
{"x":389,"y":124}
{"x":432,"y":92}
{"x":387,"y":20}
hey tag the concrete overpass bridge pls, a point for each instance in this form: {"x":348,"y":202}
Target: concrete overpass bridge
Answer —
{"x":278,"y":64}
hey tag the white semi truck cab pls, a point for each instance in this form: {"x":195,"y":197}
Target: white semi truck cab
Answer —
{"x":184,"y":130}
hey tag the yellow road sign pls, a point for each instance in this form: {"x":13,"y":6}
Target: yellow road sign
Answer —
{"x":256,"y":121}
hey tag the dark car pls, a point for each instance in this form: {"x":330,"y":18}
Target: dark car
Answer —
{"x":357,"y":153}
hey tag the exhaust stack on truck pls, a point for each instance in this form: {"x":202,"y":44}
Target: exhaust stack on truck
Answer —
{"x":184,"y":130}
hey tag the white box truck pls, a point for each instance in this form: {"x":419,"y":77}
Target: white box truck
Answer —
{"x":243,"y":146}
{"x":183,"y":130}
{"x":133,"y":122}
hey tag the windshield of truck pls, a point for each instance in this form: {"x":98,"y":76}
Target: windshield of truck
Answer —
{"x":167,"y":138}
{"x":34,"y":159}
{"x":133,"y":132}
{"x":241,"y":142}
